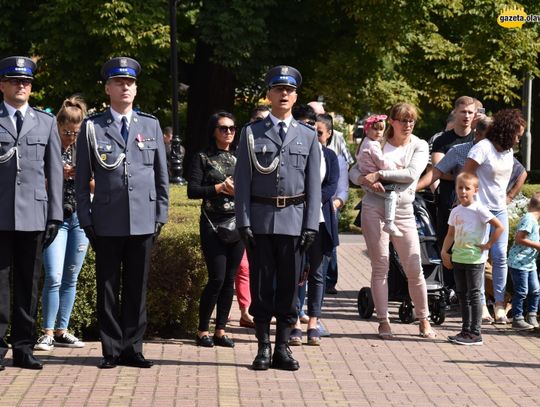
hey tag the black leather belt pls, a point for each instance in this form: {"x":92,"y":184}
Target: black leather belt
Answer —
{"x":279,"y":201}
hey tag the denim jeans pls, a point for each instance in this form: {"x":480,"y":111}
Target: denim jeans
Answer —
{"x":526,"y":287}
{"x":498,"y":257}
{"x":468,"y":279}
{"x":332,"y":269}
{"x":63,"y":261}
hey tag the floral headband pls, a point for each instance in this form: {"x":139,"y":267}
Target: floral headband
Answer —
{"x":371,"y":120}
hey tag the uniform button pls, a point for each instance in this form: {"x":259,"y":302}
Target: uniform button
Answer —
{"x":129,"y":162}
{"x":129,"y":175}
{"x":19,"y":143}
{"x":18,"y":182}
{"x":282,"y":164}
{"x":20,"y":156}
{"x":131,"y":188}
{"x":283,"y":150}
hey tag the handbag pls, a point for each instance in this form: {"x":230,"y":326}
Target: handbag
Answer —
{"x":226,"y":230}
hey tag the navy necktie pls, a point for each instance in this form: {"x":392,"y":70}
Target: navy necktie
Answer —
{"x":124,"y":131}
{"x":19,"y":121}
{"x":281,"y":130}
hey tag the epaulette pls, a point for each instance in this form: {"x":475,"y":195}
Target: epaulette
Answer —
{"x":312,"y":128}
{"x":93,"y":115}
{"x":147,"y":115}
{"x":43,"y":111}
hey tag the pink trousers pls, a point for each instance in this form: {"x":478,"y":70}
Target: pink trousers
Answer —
{"x":408,"y":249}
{"x":242,"y":283}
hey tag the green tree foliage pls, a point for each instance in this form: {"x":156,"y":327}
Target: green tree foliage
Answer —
{"x":72,"y":39}
{"x":431,"y":51}
{"x":362,"y":55}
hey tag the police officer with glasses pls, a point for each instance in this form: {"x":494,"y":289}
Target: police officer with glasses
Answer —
{"x":278,"y":200}
{"x":31,"y":182}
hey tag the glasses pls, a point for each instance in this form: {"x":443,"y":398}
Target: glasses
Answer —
{"x":225,"y":129}
{"x":70,"y":133}
{"x":18,"y":81}
{"x":281,"y":89}
{"x":404,"y":122}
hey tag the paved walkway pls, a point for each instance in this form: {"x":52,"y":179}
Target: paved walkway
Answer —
{"x":351,"y":368}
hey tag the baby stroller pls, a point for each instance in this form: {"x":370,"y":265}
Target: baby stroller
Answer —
{"x":431,"y":265}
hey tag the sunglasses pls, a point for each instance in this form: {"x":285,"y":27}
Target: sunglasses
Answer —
{"x":69,"y":133}
{"x":18,"y":81}
{"x":225,"y":129}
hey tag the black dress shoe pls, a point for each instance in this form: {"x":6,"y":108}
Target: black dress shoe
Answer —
{"x":27,"y":361}
{"x":108,"y":362}
{"x":263,"y":359}
{"x":330,"y":289}
{"x":224,"y":341}
{"x":205,"y":341}
{"x":283,"y":359}
{"x":135,"y":360}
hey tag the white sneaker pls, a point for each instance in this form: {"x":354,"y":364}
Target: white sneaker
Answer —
{"x":391,"y":229}
{"x":45,"y":342}
{"x":532,"y":319}
{"x":68,"y":340}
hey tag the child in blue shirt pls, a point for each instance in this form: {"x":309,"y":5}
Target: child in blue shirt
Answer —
{"x":522,"y":266}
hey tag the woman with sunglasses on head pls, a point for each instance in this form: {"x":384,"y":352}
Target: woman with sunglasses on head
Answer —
{"x":64,"y":258}
{"x":410,"y":155}
{"x":211,"y":180}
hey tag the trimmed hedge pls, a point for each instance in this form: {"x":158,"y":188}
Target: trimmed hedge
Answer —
{"x":177,"y":276}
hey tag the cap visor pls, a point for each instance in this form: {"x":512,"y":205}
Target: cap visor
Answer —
{"x":19,"y":76}
{"x":283,"y":84}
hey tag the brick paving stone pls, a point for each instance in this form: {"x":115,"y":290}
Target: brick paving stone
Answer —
{"x":353,"y":367}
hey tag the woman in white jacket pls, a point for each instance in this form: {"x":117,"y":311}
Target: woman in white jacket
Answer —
{"x":411,"y":157}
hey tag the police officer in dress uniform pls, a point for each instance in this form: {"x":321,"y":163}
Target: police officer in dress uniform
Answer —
{"x":30,"y":204}
{"x":123,"y":151}
{"x":278,"y":201}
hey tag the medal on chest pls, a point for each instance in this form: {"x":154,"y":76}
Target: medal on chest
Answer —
{"x":140,"y":141}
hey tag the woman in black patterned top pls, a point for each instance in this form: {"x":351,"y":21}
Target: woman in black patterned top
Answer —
{"x":211,"y":180}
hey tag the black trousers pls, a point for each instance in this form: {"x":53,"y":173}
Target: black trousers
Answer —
{"x":122,"y":265}
{"x":274,"y":267}
{"x":20,"y":256}
{"x":468,"y":286}
{"x":222,"y":261}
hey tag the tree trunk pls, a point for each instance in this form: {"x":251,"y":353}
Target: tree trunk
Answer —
{"x":211,"y":89}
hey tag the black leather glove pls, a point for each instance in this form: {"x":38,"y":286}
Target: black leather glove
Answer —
{"x":91,"y":235}
{"x":306,"y":239}
{"x":157,"y":230}
{"x":51,"y":230}
{"x":247,"y":237}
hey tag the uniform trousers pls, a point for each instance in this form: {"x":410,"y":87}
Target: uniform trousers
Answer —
{"x":20,"y":254}
{"x":408,"y":250}
{"x":122,"y":265}
{"x":275,"y":265}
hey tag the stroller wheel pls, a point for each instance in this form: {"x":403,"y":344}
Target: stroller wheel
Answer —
{"x":365,"y":303}
{"x":407,"y":314}
{"x":438,"y":312}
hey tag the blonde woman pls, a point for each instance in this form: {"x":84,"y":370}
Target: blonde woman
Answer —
{"x":64,"y":258}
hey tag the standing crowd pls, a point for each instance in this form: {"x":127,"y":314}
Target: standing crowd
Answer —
{"x":271,"y":198}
